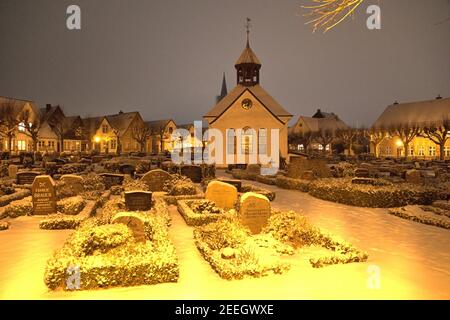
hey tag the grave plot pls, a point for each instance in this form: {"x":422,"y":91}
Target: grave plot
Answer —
{"x":257,"y":240}
{"x":220,"y":201}
{"x":118,"y":248}
{"x":437,"y":214}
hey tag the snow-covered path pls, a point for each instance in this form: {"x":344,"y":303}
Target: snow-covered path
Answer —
{"x":414,"y":260}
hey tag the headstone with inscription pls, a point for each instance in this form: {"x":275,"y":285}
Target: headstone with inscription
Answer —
{"x":155,"y":179}
{"x":224,"y":195}
{"x":134,"y":222}
{"x":43,"y":195}
{"x":254,"y":211}
{"x":138,"y":200}
{"x":26,"y":177}
{"x":192,"y":172}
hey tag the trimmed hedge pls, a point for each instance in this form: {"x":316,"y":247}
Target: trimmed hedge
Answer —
{"x":71,"y":206}
{"x":196,"y":218}
{"x":387,"y":196}
{"x":295,"y":230}
{"x":108,"y":256}
{"x":65,"y":222}
{"x":293,"y":184}
{"x":18,"y":195}
{"x":250,"y":188}
{"x":425,"y":217}
{"x":249,"y":257}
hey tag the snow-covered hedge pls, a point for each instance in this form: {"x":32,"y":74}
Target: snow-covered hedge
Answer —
{"x":294,"y":229}
{"x":425,"y":217}
{"x":19,"y":194}
{"x":108,"y":256}
{"x":22,"y":207}
{"x":71,"y":206}
{"x":60,"y":222}
{"x":234,"y":254}
{"x":201,"y":211}
{"x":293,"y":184}
{"x":179,"y":186}
{"x":385,"y":196}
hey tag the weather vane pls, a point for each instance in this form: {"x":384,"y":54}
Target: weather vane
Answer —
{"x":248,"y":25}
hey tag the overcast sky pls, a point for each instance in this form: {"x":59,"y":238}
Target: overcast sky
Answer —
{"x":165,"y":58}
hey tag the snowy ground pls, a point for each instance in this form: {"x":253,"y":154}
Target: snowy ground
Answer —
{"x":414,"y":261}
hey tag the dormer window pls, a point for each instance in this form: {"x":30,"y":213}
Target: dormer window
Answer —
{"x":105,"y":128}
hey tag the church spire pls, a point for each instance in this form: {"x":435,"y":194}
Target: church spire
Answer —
{"x":248,"y":64}
{"x":224,"y":90}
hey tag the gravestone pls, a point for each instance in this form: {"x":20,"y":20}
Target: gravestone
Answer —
{"x":138,"y":200}
{"x":224,"y":195}
{"x":12,"y":171}
{"x":254,"y":211}
{"x":155,"y":179}
{"x":192,"y":172}
{"x":111,"y":179}
{"x":134,"y":222}
{"x":74,"y":181}
{"x":413,"y":176}
{"x":234,"y":182}
{"x":127,"y":169}
{"x":26,"y":177}
{"x":43,"y":195}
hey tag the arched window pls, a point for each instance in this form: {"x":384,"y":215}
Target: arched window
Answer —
{"x":231,"y":141}
{"x":247,"y":141}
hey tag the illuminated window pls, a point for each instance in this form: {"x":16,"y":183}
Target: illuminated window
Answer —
{"x":411,"y":151}
{"x":105,"y":128}
{"x":113,"y":144}
{"x":262,"y":141}
{"x":432,"y":151}
{"x":231,"y":141}
{"x":388,"y":151}
{"x":447,"y":151}
{"x":301,"y":147}
{"x":421,"y":151}
{"x":247,"y":141}
{"x":21,"y":145}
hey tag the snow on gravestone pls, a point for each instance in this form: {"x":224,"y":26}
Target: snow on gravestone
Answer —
{"x":254,"y":211}
{"x":74,"y":181}
{"x":132,"y":221}
{"x":43,"y":195}
{"x":155,"y":179}
{"x":224,"y":195}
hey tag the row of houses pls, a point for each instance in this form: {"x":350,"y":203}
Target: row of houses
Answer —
{"x":26,"y":127}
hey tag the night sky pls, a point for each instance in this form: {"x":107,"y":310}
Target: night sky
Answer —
{"x":165,"y":58}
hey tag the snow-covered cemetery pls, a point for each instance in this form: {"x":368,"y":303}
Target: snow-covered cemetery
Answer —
{"x":251,"y":201}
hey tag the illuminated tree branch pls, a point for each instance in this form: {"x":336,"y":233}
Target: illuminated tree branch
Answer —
{"x":327,"y":14}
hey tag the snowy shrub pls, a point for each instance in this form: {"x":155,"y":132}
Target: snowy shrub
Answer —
{"x":6,"y":187}
{"x":427,"y":217}
{"x":130,"y":184}
{"x":387,"y":196}
{"x":180,"y":185}
{"x":71,"y":206}
{"x":199,"y":212}
{"x":293,"y":184}
{"x":290,"y":227}
{"x":344,"y":170}
{"x":234,"y":254}
{"x":108,"y":256}
{"x":143,"y":166}
{"x":93,"y":182}
{"x":60,"y":222}
{"x":72,"y":168}
{"x":23,"y":207}
{"x":110,"y":209}
{"x":271,"y":180}
{"x":243,"y":174}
